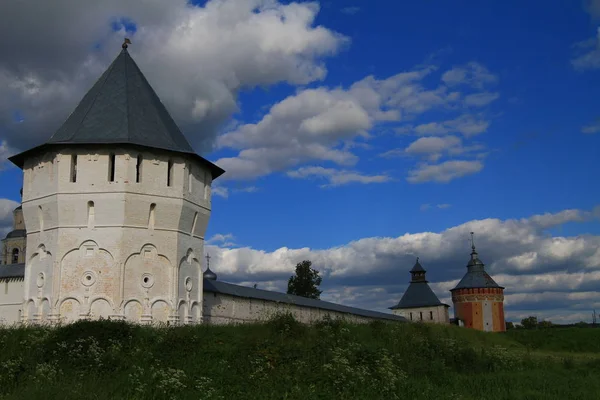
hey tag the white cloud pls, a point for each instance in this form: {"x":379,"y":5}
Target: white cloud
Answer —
{"x":336,"y":177}
{"x":589,"y":54}
{"x":220,"y":191}
{"x":544,"y":275}
{"x":480,"y":99}
{"x":594,"y":127}
{"x":468,"y":125}
{"x":473,"y":74}
{"x":197,"y":58}
{"x":317,"y":124}
{"x":444,"y":172}
{"x":434,"y":147}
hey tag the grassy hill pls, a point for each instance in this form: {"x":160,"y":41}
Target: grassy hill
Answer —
{"x":286,"y":360}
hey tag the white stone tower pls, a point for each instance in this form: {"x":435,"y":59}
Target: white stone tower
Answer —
{"x":116,"y":205}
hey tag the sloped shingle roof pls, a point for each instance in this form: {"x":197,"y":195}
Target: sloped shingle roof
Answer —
{"x":418,"y":294}
{"x":122,"y":109}
{"x":12,"y":271}
{"x":476,"y":277}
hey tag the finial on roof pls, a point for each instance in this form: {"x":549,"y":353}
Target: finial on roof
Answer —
{"x":417,"y":259}
{"x":472,"y":241}
{"x":125,"y":43}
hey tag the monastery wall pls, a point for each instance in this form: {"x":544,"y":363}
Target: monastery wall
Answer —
{"x":221,"y":308}
{"x":434,"y":314}
{"x":11,"y":300}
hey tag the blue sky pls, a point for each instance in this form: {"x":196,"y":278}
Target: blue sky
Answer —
{"x":500,"y":95}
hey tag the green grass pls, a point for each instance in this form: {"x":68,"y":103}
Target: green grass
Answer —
{"x":283,"y":359}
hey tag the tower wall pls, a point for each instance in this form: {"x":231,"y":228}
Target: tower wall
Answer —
{"x":480,"y":308}
{"x":121,"y":239}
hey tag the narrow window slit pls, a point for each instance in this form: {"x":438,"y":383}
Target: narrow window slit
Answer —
{"x":151,"y":217}
{"x":91,"y":215}
{"x":111,"y":167}
{"x":169,"y":172}
{"x":138,"y":169}
{"x":73,"y":175}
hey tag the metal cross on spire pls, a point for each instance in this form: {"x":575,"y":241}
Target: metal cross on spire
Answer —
{"x":207,"y":261}
{"x":472,"y":241}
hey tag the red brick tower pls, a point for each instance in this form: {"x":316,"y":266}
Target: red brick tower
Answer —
{"x":478,"y":300}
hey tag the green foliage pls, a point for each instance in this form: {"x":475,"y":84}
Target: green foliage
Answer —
{"x":305,"y":282}
{"x":284,"y":359}
{"x":529,"y":322}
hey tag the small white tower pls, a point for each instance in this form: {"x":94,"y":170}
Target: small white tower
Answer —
{"x":116,"y":205}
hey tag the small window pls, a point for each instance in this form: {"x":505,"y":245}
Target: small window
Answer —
{"x":111,"y":167}
{"x":15,"y":256}
{"x":431,"y":315}
{"x":41,"y":218}
{"x":190,"y":177}
{"x":411,"y":316}
{"x":138,"y":169}
{"x":73,"y":175}
{"x":169,"y":172}
{"x":421,"y":315}
{"x":151,"y":217}
{"x":194,"y":224}
{"x":91,"y":214}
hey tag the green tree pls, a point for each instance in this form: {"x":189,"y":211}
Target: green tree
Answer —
{"x":529,"y":322}
{"x":510,"y":325}
{"x":306,"y":281}
{"x":545,"y":324}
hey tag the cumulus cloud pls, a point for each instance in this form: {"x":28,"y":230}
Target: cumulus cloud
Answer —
{"x":317,"y":124}
{"x":443,"y":172}
{"x":544,"y":275}
{"x":6,"y":216}
{"x":336,"y":177}
{"x":468,"y":125}
{"x":473,"y":74}
{"x":480,"y":99}
{"x":433,"y":148}
{"x":588,"y":54}
{"x":197,"y":58}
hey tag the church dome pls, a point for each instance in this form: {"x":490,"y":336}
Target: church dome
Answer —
{"x":208,"y":274}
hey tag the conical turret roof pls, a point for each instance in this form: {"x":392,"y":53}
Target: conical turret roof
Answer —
{"x":418,"y":293}
{"x":121,"y":108}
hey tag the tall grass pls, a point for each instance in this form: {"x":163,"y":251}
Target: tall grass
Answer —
{"x":283,"y":359}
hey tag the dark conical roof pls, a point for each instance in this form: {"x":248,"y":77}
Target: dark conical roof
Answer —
{"x":122,"y":109}
{"x":418,"y":293}
{"x":476,"y":277}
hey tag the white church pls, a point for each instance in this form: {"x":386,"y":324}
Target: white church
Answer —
{"x":115,"y":206}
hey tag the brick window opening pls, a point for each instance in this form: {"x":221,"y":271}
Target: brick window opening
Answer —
{"x":15,"y":256}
